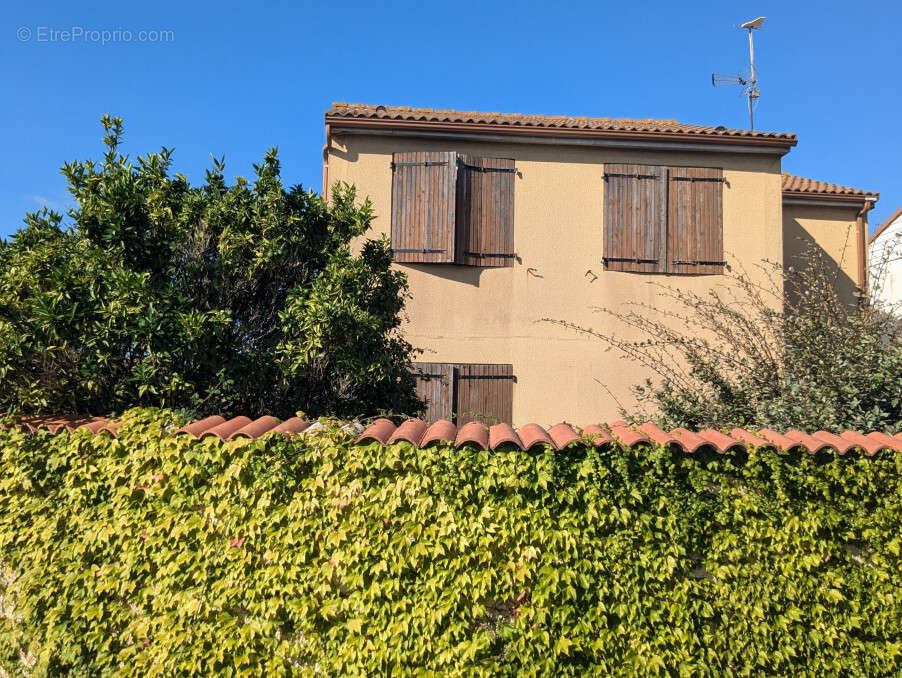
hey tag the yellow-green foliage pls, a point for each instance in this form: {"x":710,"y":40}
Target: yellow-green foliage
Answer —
{"x":156,"y":555}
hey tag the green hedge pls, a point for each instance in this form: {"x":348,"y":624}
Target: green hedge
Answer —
{"x":151,"y":554}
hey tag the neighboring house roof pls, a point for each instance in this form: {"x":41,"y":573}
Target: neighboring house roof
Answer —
{"x":886,"y":224}
{"x":800,"y":187}
{"x":365,"y":115}
{"x":421,"y":434}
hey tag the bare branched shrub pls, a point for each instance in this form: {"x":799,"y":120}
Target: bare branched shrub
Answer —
{"x":784,"y":353}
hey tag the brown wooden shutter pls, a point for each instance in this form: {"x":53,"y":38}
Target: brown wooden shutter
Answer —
{"x":485,"y":211}
{"x":484,"y":393}
{"x":635,"y":218}
{"x":424,"y":186}
{"x":695,"y":221}
{"x":435,"y":386}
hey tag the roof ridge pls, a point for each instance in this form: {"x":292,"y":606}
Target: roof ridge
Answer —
{"x":416,"y":115}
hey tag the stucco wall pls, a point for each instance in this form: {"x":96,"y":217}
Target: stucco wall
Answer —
{"x":463,"y":314}
{"x":829,"y":229}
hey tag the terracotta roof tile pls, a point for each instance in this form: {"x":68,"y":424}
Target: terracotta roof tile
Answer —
{"x":841,"y":445}
{"x":474,"y":433}
{"x":411,"y":431}
{"x":291,"y":426}
{"x":441,"y":431}
{"x":794,"y":184}
{"x":689,"y":441}
{"x":722,"y":442}
{"x":503,"y":434}
{"x":420,"y":434}
{"x":560,"y":122}
{"x":532,"y":435}
{"x":600,"y":436}
{"x":562,"y":435}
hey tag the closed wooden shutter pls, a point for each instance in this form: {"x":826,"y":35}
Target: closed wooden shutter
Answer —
{"x":485,"y":211}
{"x":484,"y":392}
{"x":435,"y":386}
{"x":424,"y":187}
{"x":635,"y":218}
{"x":695,"y":221}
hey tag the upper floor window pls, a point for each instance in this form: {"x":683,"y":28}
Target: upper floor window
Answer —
{"x":448,"y":207}
{"x":663,"y":219}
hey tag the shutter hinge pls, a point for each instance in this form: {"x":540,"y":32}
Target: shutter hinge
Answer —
{"x":632,"y":260}
{"x":632,"y":176}
{"x":718,"y":180}
{"x":429,"y":375}
{"x":428,"y":163}
{"x":417,"y":251}
{"x":487,"y":376}
{"x":477,"y":168}
{"x":489,"y":255}
{"x":678,"y":262}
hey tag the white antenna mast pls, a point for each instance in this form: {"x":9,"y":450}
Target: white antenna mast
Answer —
{"x":749,"y":84}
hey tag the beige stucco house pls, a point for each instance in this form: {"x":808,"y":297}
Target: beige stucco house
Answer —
{"x":831,"y":219}
{"x":503,"y":221}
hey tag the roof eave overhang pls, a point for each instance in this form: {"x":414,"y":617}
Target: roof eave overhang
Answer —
{"x":827,"y":199}
{"x":559,"y":135}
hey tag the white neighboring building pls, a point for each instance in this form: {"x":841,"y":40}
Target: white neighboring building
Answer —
{"x":885,"y":256}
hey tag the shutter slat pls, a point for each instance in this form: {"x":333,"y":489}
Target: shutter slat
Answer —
{"x":635,"y":218}
{"x":422,"y":206}
{"x":695,"y":229}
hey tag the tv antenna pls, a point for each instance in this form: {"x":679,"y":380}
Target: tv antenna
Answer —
{"x":749,"y":83}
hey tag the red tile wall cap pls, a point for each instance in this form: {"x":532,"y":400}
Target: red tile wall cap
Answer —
{"x":722,"y":442}
{"x":503,"y":434}
{"x":197,"y":428}
{"x":841,"y":445}
{"x":227,"y":428}
{"x":562,"y":435}
{"x":691,"y":442}
{"x":887,"y":442}
{"x":441,"y":431}
{"x":783,"y":443}
{"x":750,"y":438}
{"x":473,"y":433}
{"x":411,"y":431}
{"x":417,"y":433}
{"x":532,"y":435}
{"x":600,"y":436}
{"x":255,"y":429}
{"x":378,"y":432}
{"x":811,"y":443}
{"x":626,"y":435}
{"x":869,"y":445}
{"x":656,"y":435}
{"x":291,"y":426}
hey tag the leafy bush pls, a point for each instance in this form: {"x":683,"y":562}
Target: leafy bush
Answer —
{"x":242,"y":298}
{"x":151,"y":554}
{"x":787,"y":353}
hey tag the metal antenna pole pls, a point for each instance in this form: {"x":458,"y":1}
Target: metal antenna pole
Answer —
{"x":750,"y":85}
{"x":754,"y":81}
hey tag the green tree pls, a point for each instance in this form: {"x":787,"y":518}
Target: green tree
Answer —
{"x":243,"y":298}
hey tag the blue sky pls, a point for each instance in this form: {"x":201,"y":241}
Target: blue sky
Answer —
{"x":237,"y":78}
